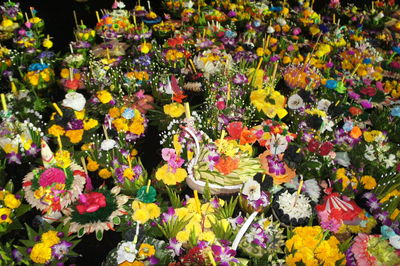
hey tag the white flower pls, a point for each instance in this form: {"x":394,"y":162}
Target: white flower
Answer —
{"x":270,"y":30}
{"x":108,"y":144}
{"x":295,"y":102}
{"x":126,"y":252}
{"x":390,"y":161}
{"x":278,"y":144}
{"x":323,"y":105}
{"x":312,"y":188}
{"x":281,"y":21}
{"x":395,"y":241}
{"x":251,"y":189}
{"x":342,"y":158}
{"x":75,"y":101}
{"x":327,"y":124}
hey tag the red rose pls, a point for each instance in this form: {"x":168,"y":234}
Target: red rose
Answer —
{"x":325,"y":148}
{"x":370,"y":91}
{"x":313,"y":145}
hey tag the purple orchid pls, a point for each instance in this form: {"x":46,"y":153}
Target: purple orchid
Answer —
{"x":13,"y":157}
{"x":175,"y":247}
{"x":61,"y":249}
{"x":224,"y":255}
{"x":167,"y":216}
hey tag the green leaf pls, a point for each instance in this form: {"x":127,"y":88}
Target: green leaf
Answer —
{"x":116,"y":220}
{"x":81,"y":232}
{"x":9,"y":186}
{"x":174,"y":198}
{"x":99,"y":235}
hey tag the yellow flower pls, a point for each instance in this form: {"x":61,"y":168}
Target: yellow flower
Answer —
{"x":5,"y":215}
{"x":114,"y":112}
{"x":166,"y":174}
{"x":56,"y":130}
{"x":368,"y":182}
{"x":370,"y":136}
{"x":88,"y":124}
{"x":47,"y":43}
{"x":120,"y":124}
{"x":153,"y":210}
{"x":128,"y":173}
{"x":104,"y":96}
{"x":257,"y":98}
{"x":64,"y":73}
{"x":145,"y":48}
{"x":207,"y":236}
{"x":146,"y":250}
{"x":177,"y":145}
{"x":136,"y":128}
{"x":174,"y":109}
{"x":182,"y":236}
{"x":141,"y":216}
{"x":63,"y":158}
{"x":50,"y":238}
{"x":104,"y":173}
{"x":92,"y":165}
{"x":11,"y":201}
{"x":260,"y":51}
{"x":75,"y":136}
{"x":135,"y":263}
{"x":80,"y":114}
{"x":41,"y":253}
{"x":87,"y":146}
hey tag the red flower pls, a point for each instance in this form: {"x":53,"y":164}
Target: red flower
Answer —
{"x":247,"y":137}
{"x":313,"y":145}
{"x":235,"y":129}
{"x":91,"y":202}
{"x":72,"y":84}
{"x":370,"y":91}
{"x":325,"y":148}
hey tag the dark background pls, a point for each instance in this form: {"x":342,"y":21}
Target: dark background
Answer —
{"x":59,"y":23}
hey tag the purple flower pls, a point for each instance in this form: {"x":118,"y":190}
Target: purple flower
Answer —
{"x":153,"y":260}
{"x":366,"y":104}
{"x":353,"y":95}
{"x":224,"y":255}
{"x":16,"y":255}
{"x":274,"y":58}
{"x":275,"y":166}
{"x":167,"y":216}
{"x":14,"y":158}
{"x":33,"y":150}
{"x":175,"y":247}
{"x":75,"y":124}
{"x":240,"y":79}
{"x":61,"y":249}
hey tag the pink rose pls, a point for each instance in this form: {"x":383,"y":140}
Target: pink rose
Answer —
{"x":51,"y":176}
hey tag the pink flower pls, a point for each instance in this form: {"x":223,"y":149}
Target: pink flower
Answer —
{"x":51,"y":176}
{"x":221,"y":105}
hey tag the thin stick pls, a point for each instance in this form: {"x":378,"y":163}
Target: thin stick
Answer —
{"x":75,"y":18}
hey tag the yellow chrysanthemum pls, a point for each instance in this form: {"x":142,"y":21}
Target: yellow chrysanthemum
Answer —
{"x":50,"y":238}
{"x":11,"y":201}
{"x":174,"y":109}
{"x":41,"y":253}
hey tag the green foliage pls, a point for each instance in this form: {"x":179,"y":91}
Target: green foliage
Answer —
{"x":171,"y":228}
{"x":227,"y":210}
{"x":174,"y":198}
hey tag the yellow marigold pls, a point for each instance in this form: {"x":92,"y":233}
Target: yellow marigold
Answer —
{"x":11,"y":201}
{"x":50,"y":238}
{"x":141,"y":216}
{"x":174,"y":109}
{"x":92,"y":165}
{"x":5,"y":215}
{"x":368,"y":182}
{"x":63,"y":158}
{"x":114,"y":112}
{"x":135,"y":263}
{"x":75,"y":136}
{"x":120,"y":124}
{"x":146,"y":250}
{"x":56,"y":130}
{"x":182,"y":236}
{"x":64,"y":73}
{"x":104,"y":96}
{"x":136,"y":128}
{"x":41,"y":253}
{"x":104,"y":173}
{"x":47,"y":43}
{"x":169,"y":177}
{"x":88,"y":124}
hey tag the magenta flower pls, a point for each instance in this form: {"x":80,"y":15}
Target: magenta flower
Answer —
{"x":14,"y":158}
{"x":366,"y":104}
{"x":224,"y":255}
{"x":175,"y":246}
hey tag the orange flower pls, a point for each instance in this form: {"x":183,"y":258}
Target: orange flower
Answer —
{"x":74,"y":136}
{"x":247,"y":137}
{"x":355,"y":111}
{"x":355,"y":133}
{"x":226,"y":165}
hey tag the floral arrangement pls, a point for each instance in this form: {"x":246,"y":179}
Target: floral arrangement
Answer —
{"x":218,"y":133}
